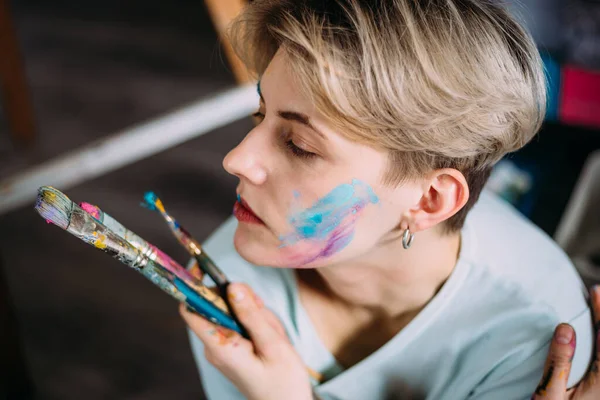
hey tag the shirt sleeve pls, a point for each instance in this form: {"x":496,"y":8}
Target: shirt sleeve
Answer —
{"x":520,"y":382}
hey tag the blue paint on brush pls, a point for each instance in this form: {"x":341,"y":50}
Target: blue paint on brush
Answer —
{"x":150,"y":200}
{"x":332,"y":216}
{"x":206,"y":308}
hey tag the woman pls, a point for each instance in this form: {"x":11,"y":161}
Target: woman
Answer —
{"x":379,"y":122}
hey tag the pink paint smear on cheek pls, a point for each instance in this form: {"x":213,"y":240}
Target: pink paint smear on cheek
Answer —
{"x":310,"y":251}
{"x":327,"y":227}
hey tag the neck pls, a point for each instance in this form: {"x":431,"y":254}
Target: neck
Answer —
{"x":390,"y":282}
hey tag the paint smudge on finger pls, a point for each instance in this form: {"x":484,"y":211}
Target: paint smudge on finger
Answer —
{"x":546,"y":382}
{"x":224,"y":336}
{"x":329,"y":222}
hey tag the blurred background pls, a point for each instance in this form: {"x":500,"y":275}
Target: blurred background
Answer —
{"x":74,"y":323}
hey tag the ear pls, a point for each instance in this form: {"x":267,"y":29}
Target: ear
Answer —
{"x":445,"y":193}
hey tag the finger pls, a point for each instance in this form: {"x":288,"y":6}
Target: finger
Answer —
{"x":224,"y":349}
{"x":210,"y":334}
{"x":271,"y":318}
{"x":553,"y":384}
{"x":254,"y":316}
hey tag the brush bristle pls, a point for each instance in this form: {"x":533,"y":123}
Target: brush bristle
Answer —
{"x":54,"y":206}
{"x":152,"y":202}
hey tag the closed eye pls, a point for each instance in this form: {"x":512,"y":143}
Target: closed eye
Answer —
{"x":292,"y":147}
{"x":297,"y":151}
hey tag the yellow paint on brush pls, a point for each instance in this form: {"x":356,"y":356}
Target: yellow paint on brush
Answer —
{"x":99,"y":242}
{"x":158,"y":204}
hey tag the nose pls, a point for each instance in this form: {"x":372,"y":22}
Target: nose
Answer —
{"x":245,"y":160}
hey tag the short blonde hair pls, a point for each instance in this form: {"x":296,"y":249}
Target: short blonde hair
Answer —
{"x":437,"y":83}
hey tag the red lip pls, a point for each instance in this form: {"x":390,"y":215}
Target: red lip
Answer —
{"x":243,"y":213}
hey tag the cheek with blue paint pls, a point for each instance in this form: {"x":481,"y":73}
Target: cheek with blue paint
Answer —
{"x":329,"y":223}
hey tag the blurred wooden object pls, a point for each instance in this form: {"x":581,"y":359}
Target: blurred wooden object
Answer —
{"x":13,"y":84}
{"x":222,"y":12}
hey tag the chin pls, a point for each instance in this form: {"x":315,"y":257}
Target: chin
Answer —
{"x":248,"y":250}
{"x":255,"y":247}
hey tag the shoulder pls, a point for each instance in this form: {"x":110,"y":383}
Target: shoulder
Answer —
{"x":502,"y":230}
{"x":501,"y":335}
{"x":520,"y":285}
{"x":520,"y":257}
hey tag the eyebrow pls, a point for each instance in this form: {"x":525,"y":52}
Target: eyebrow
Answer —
{"x":292,"y":115}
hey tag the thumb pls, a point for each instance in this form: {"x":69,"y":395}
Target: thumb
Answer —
{"x":553,"y":385}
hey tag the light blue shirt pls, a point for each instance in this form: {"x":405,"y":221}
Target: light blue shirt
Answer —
{"x":485,"y":334}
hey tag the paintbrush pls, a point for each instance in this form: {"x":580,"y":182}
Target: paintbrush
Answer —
{"x":89,"y":225}
{"x":152,"y":202}
{"x":55,"y":207}
{"x":116,"y":227}
{"x":153,"y":253}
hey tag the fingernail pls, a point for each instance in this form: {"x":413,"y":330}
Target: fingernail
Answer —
{"x":237,"y":294}
{"x":564,"y":334}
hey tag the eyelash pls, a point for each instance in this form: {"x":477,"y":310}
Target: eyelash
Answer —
{"x":289,"y":143}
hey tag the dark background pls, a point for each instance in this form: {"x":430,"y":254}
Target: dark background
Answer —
{"x":91,"y":328}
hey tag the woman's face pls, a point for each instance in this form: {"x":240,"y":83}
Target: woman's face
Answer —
{"x":307,"y":196}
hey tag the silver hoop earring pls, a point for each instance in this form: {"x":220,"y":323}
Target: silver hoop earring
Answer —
{"x":407,"y":238}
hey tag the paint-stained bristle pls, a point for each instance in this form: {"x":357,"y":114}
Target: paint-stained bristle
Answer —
{"x":54,"y":206}
{"x":91,"y":209}
{"x":152,"y":201}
